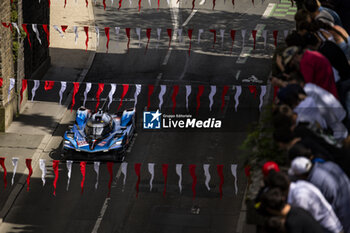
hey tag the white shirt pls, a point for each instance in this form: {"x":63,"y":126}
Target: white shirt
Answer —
{"x":308,"y":111}
{"x":306,"y":196}
{"x":330,"y":108}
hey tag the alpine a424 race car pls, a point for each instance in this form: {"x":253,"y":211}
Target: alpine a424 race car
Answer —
{"x":99,"y":135}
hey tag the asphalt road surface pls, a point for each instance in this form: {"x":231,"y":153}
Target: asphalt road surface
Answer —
{"x":152,"y":212}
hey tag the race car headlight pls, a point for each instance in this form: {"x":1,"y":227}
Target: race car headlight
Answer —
{"x":70,"y":135}
{"x":118,"y":143}
{"x":67,"y":142}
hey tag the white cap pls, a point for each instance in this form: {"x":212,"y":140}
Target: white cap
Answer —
{"x":299,"y":166}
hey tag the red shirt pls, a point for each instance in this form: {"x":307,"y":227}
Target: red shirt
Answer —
{"x":317,"y":69}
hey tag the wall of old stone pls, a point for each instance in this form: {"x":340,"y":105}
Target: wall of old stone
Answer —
{"x":7,"y":105}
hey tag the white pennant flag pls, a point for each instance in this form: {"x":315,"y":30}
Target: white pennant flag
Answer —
{"x":234,"y":173}
{"x":111,"y":93}
{"x":202,"y":2}
{"x":35,"y":29}
{"x":200,"y":31}
{"x":243,"y":36}
{"x":87,"y":90}
{"x":14,"y":163}
{"x":97,"y":36}
{"x":179,"y":33}
{"x":222,"y":34}
{"x":211,"y":95}
{"x":124,"y":167}
{"x":136,"y":94}
{"x":161,"y":94}
{"x":138,"y":33}
{"x":76,"y":34}
{"x":179,"y":173}
{"x":43,"y":170}
{"x":97,"y":170}
{"x":111,"y":2}
{"x":207,"y":175}
{"x":59,"y":30}
{"x":149,"y":3}
{"x":285,"y":33}
{"x":168,"y":1}
{"x":117,"y":30}
{"x":151,"y":171}
{"x":238,"y":93}
{"x":12,"y":85}
{"x":69,"y":174}
{"x":264,"y":34}
{"x":63,"y":88}
{"x":35,"y":87}
{"x":262,"y":94}
{"x":159,"y":30}
{"x":188,"y":92}
{"x":130,"y":2}
{"x":17,"y":28}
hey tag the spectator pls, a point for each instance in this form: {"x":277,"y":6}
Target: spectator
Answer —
{"x":314,"y":67}
{"x":305,"y":195}
{"x":330,"y":179}
{"x":289,"y":218}
{"x":317,"y":11}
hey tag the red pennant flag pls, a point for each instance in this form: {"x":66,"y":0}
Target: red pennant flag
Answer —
{"x":125,"y":90}
{"x":107,"y":34}
{"x":120,"y":4}
{"x":200,"y":93}
{"x":194,"y":179}
{"x":24,"y":26}
{"x":253,"y":90}
{"x":139,"y":5}
{"x":220,"y":169}
{"x":213,"y":4}
{"x":253,"y":2}
{"x":24,"y":87}
{"x":99,"y":91}
{"x":104,"y":4}
{"x":213,"y":31}
{"x":29,"y":166}
{"x":150,"y":91}
{"x":9,"y":25}
{"x":127,"y":30}
{"x":148,"y":34}
{"x":233,"y":33}
{"x":224,"y":92}
{"x":169,"y":35}
{"x":46,"y":29}
{"x":65,"y":3}
{"x":49,"y":3}
{"x":2,"y":163}
{"x":275,"y":33}
{"x":137,"y":171}
{"x":49,"y":85}
{"x":173,"y":97}
{"x":87,"y":2}
{"x":82,"y":170}
{"x":64,"y":27}
{"x":158,"y":6}
{"x":75,"y":91}
{"x":1,"y":82}
{"x":193,"y":1}
{"x":165,"y":174}
{"x":275,"y":91}
{"x":254,"y":36}
{"x":55,"y":171}
{"x":190,"y":36}
{"x":110,"y":170}
{"x":233,"y":2}
{"x":86,"y":29}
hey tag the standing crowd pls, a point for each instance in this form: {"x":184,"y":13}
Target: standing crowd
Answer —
{"x":311,"y":120}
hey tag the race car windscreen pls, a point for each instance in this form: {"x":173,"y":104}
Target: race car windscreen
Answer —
{"x":97,"y":130}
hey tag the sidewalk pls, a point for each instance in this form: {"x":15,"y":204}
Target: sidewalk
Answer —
{"x":39,"y":129}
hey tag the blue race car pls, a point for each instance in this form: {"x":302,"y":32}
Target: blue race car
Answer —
{"x":100,"y":135}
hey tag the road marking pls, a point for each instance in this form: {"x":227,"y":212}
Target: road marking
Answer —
{"x":189,"y":18}
{"x":237,"y":75}
{"x":105,"y":205}
{"x":268,"y":10}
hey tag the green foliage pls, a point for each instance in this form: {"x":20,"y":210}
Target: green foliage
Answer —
{"x":259,"y":142}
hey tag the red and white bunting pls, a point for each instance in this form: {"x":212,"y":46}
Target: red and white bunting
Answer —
{"x":211,"y":96}
{"x":233,"y":34}
{"x":63,"y":88}
{"x":87,"y":90}
{"x":75,"y":28}
{"x":179,"y":35}
{"x":243,"y":32}
{"x":224,"y":91}
{"x":111,"y":93}
{"x":24,"y":87}
{"x":188,"y":92}
{"x":12,"y":85}
{"x":137,"y":92}
{"x":14,"y":164}
{"x":151,"y":171}
{"x":173,"y":97}
{"x":262,"y":94}
{"x":207,"y":175}
{"x":35,"y":30}
{"x":124,"y":169}
{"x":159,"y":31}
{"x":199,"y":94}
{"x":150,"y":91}
{"x":138,"y":33}
{"x":97,"y":30}
{"x":69,"y":172}
{"x":2,"y":164}
{"x":97,"y":171}
{"x":234,"y":173}
{"x":55,"y":171}
{"x":214,"y":36}
{"x":179,"y":173}
{"x":200,"y":31}
{"x":160,"y":96}
{"x":30,"y":172}
{"x":42,"y":167}
{"x":238,"y":93}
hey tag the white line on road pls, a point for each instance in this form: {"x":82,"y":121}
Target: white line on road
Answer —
{"x":268,"y":10}
{"x":189,"y":18}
